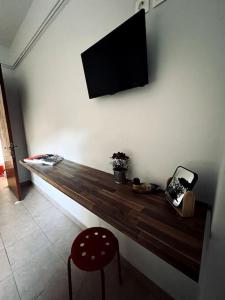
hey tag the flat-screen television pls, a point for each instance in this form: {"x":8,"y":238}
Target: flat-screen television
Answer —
{"x":119,"y":60}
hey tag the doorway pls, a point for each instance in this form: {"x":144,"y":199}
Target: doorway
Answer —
{"x":3,"y":180}
{"x":7,"y":144}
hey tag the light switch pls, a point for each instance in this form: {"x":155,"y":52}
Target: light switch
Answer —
{"x":142,"y":4}
{"x":157,"y":2}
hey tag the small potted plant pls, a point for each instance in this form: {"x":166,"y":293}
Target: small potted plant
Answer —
{"x":120,"y":166}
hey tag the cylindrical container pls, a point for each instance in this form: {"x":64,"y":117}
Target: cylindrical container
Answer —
{"x":119,"y":177}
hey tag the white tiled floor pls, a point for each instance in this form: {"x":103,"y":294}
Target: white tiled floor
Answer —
{"x":3,"y":182}
{"x":35,"y":241}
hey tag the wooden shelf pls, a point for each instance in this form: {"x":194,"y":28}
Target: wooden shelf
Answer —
{"x":147,"y":219}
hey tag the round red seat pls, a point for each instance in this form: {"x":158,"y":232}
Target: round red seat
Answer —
{"x":92,"y":250}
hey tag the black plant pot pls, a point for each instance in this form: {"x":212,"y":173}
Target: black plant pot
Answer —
{"x":119,"y":177}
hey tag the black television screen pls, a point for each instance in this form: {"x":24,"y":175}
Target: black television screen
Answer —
{"x":119,"y":60}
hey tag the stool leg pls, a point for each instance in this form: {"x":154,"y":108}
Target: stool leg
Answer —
{"x":119,"y":265}
{"x":103,"y":284}
{"x":69,"y":279}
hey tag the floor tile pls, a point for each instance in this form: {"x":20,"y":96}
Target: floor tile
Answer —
{"x":91,"y":287}
{"x":57,"y":288}
{"x":1,"y":244}
{"x":36,"y":203}
{"x":49,"y":218}
{"x":8,"y":289}
{"x":65,"y":230}
{"x":17,"y":230}
{"x":26,"y":248}
{"x":62,"y":247}
{"x":6,"y":201}
{"x":130,"y":289}
{"x":34,"y":278}
{"x":5,"y":269}
{"x":3,"y":183}
{"x":12,"y":213}
{"x":56,"y":291}
{"x":56,"y":225}
{"x":7,"y":194}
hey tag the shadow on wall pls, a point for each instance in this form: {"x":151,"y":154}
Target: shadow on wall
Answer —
{"x":152,"y":46}
{"x":207,"y":180}
{"x":22,"y":96}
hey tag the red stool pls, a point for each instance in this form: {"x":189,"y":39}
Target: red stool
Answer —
{"x":2,"y":170}
{"x":92,"y":250}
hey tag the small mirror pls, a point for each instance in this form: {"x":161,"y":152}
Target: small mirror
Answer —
{"x":183,"y":180}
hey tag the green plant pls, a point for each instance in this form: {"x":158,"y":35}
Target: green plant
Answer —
{"x":120,"y":161}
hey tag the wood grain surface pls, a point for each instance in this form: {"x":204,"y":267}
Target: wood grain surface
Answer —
{"x":147,"y":219}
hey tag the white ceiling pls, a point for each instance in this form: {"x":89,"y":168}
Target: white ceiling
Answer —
{"x":12,"y":14}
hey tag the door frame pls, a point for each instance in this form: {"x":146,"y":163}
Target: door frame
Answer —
{"x":9,"y":129}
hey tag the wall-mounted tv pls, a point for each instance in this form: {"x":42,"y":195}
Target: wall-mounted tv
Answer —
{"x":119,"y":60}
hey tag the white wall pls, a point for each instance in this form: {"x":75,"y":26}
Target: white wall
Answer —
{"x":4,"y":54}
{"x":178,"y":119}
{"x":29,"y":27}
{"x":1,"y":154}
{"x":213,"y":275}
{"x":175,"y":120}
{"x":34,"y":22}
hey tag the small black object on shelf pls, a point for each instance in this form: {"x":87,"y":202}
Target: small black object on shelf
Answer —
{"x":136,"y":181}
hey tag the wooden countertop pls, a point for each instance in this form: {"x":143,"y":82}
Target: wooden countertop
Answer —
{"x":147,"y":219}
